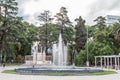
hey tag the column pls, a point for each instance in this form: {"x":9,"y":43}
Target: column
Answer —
{"x":111,"y":62}
{"x":115,"y":63}
{"x":118,"y":63}
{"x":95,"y":61}
{"x":108,"y":62}
{"x":1,"y":58}
{"x":101,"y":62}
{"x":105,"y":62}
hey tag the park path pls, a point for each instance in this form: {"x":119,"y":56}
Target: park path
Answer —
{"x":4,"y":76}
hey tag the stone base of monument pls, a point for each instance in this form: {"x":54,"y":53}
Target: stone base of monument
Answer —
{"x":30,"y":62}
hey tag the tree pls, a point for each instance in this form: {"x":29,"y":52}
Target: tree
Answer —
{"x":104,"y":42}
{"x":46,"y":18}
{"x":9,"y":19}
{"x":100,"y":22}
{"x":13,"y":32}
{"x":53,"y":34}
{"x":94,"y":49}
{"x":26,"y":40}
{"x":64,"y":22}
{"x":81,"y":34}
{"x":116,"y":37}
{"x":117,"y":31}
{"x":92,"y":31}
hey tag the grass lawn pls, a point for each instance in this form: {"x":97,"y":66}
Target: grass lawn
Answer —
{"x":63,"y":73}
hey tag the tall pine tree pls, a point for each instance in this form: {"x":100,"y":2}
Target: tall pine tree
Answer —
{"x":81,"y":34}
{"x":9,"y":25}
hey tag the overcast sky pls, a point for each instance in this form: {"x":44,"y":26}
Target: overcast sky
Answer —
{"x":88,"y":9}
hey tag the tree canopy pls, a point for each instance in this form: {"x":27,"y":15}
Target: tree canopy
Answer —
{"x":17,"y":36}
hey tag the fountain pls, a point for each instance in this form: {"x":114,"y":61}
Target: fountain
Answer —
{"x":59,"y":62}
{"x":60,"y":53}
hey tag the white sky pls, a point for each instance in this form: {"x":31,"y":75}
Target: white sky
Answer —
{"x":88,"y":9}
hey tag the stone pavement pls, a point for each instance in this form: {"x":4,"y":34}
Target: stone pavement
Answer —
{"x":4,"y":76}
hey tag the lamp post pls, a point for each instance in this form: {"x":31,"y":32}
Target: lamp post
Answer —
{"x":74,"y":56}
{"x":0,"y":58}
{"x":87,"y":62}
{"x":73,"y":53}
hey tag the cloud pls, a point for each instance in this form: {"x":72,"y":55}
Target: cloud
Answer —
{"x":22,"y":11}
{"x":104,"y":5}
{"x":103,"y":8}
{"x":89,"y":10}
{"x":21,"y":7}
{"x":29,"y":8}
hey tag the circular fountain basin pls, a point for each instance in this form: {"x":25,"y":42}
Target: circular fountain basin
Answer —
{"x":57,"y":69}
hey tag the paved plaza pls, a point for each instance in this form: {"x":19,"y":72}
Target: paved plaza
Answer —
{"x":4,"y":76}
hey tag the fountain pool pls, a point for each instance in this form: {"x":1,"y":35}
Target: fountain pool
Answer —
{"x":57,"y":69}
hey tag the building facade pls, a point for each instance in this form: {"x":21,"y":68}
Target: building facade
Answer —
{"x":110,"y":19}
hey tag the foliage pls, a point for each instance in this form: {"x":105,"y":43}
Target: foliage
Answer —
{"x":63,"y":22}
{"x":80,"y":60}
{"x":53,"y":31}
{"x":14,"y":33}
{"x":100,"y":22}
{"x":80,"y":35}
{"x":100,"y":42}
{"x":46,"y":18}
{"x":10,"y":25}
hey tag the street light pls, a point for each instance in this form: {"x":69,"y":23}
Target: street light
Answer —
{"x":74,"y":54}
{"x":1,"y":57}
{"x":87,"y":62}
